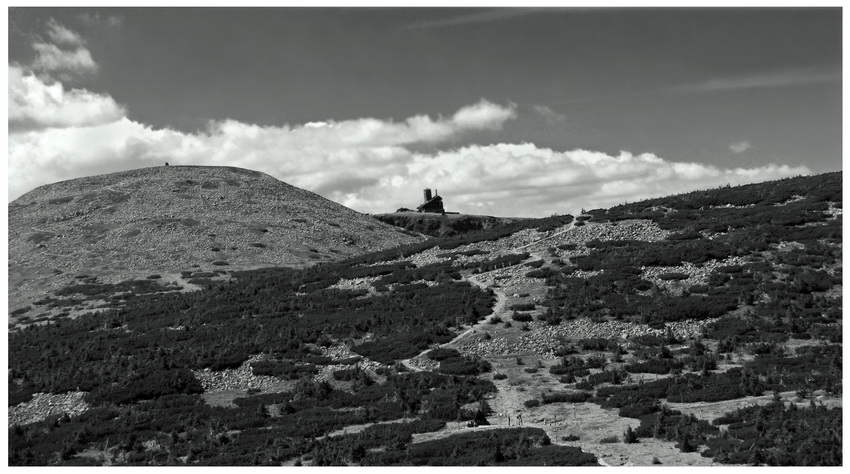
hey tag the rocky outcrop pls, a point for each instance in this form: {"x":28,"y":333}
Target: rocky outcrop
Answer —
{"x":44,"y":405}
{"x":543,"y":339}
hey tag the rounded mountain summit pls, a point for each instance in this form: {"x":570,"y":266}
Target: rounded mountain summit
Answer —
{"x":178,"y":218}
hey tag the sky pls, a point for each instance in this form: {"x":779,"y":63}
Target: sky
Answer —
{"x":516,"y":112}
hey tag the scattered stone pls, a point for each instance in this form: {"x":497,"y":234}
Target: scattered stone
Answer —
{"x":44,"y":405}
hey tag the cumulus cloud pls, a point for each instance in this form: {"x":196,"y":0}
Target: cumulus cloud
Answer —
{"x":548,"y":114}
{"x":524,"y":180}
{"x":740,"y":147}
{"x":62,"y":35}
{"x":333,"y":158}
{"x":50,"y":58}
{"x":368,"y":165}
{"x":34,"y":104}
{"x":64,"y":57}
{"x":484,"y":116}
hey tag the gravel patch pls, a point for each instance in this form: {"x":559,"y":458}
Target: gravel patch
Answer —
{"x":44,"y":405}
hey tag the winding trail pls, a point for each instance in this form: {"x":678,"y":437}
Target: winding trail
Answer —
{"x":498,"y":308}
{"x":501,"y":299}
{"x":567,"y":229}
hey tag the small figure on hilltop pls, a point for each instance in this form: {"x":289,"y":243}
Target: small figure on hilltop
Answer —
{"x":166,"y":163}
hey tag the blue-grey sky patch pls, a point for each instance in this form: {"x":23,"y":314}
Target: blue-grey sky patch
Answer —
{"x":486,"y":16}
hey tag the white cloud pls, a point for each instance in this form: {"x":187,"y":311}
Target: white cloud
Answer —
{"x":548,"y":114}
{"x":50,"y":58}
{"x":332,"y":158}
{"x":524,"y":180}
{"x":484,"y":116}
{"x":33,"y":104}
{"x":62,"y":35}
{"x":740,"y":147}
{"x":366,"y":164}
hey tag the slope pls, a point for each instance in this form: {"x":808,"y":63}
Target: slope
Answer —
{"x":175,"y":218}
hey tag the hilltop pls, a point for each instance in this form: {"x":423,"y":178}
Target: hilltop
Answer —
{"x":171,"y":219}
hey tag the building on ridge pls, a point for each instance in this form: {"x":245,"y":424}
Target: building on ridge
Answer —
{"x":432,"y":203}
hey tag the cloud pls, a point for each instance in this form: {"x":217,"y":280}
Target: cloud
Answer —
{"x":94,"y":19}
{"x":484,"y":116}
{"x":368,"y":165}
{"x":34,"y":104}
{"x":525,"y":180}
{"x":775,"y":79}
{"x":50,"y":58}
{"x":62,"y":35}
{"x":549,"y":115}
{"x":332,"y":158}
{"x":740,"y":147}
{"x":71,"y":61}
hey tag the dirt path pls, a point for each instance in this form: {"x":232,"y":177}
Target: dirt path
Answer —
{"x":498,"y":310}
{"x":712,"y":410}
{"x":352,"y":429}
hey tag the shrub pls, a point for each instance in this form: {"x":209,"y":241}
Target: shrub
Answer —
{"x":521,"y":317}
{"x":673,"y":276}
{"x":610,"y":439}
{"x":499,"y":376}
{"x":441,"y":354}
{"x":570,"y":437}
{"x":522,"y":307}
{"x":730,"y":269}
{"x":649,"y":340}
{"x":566,"y":397}
{"x":532,"y":403}
{"x":629,"y":437}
